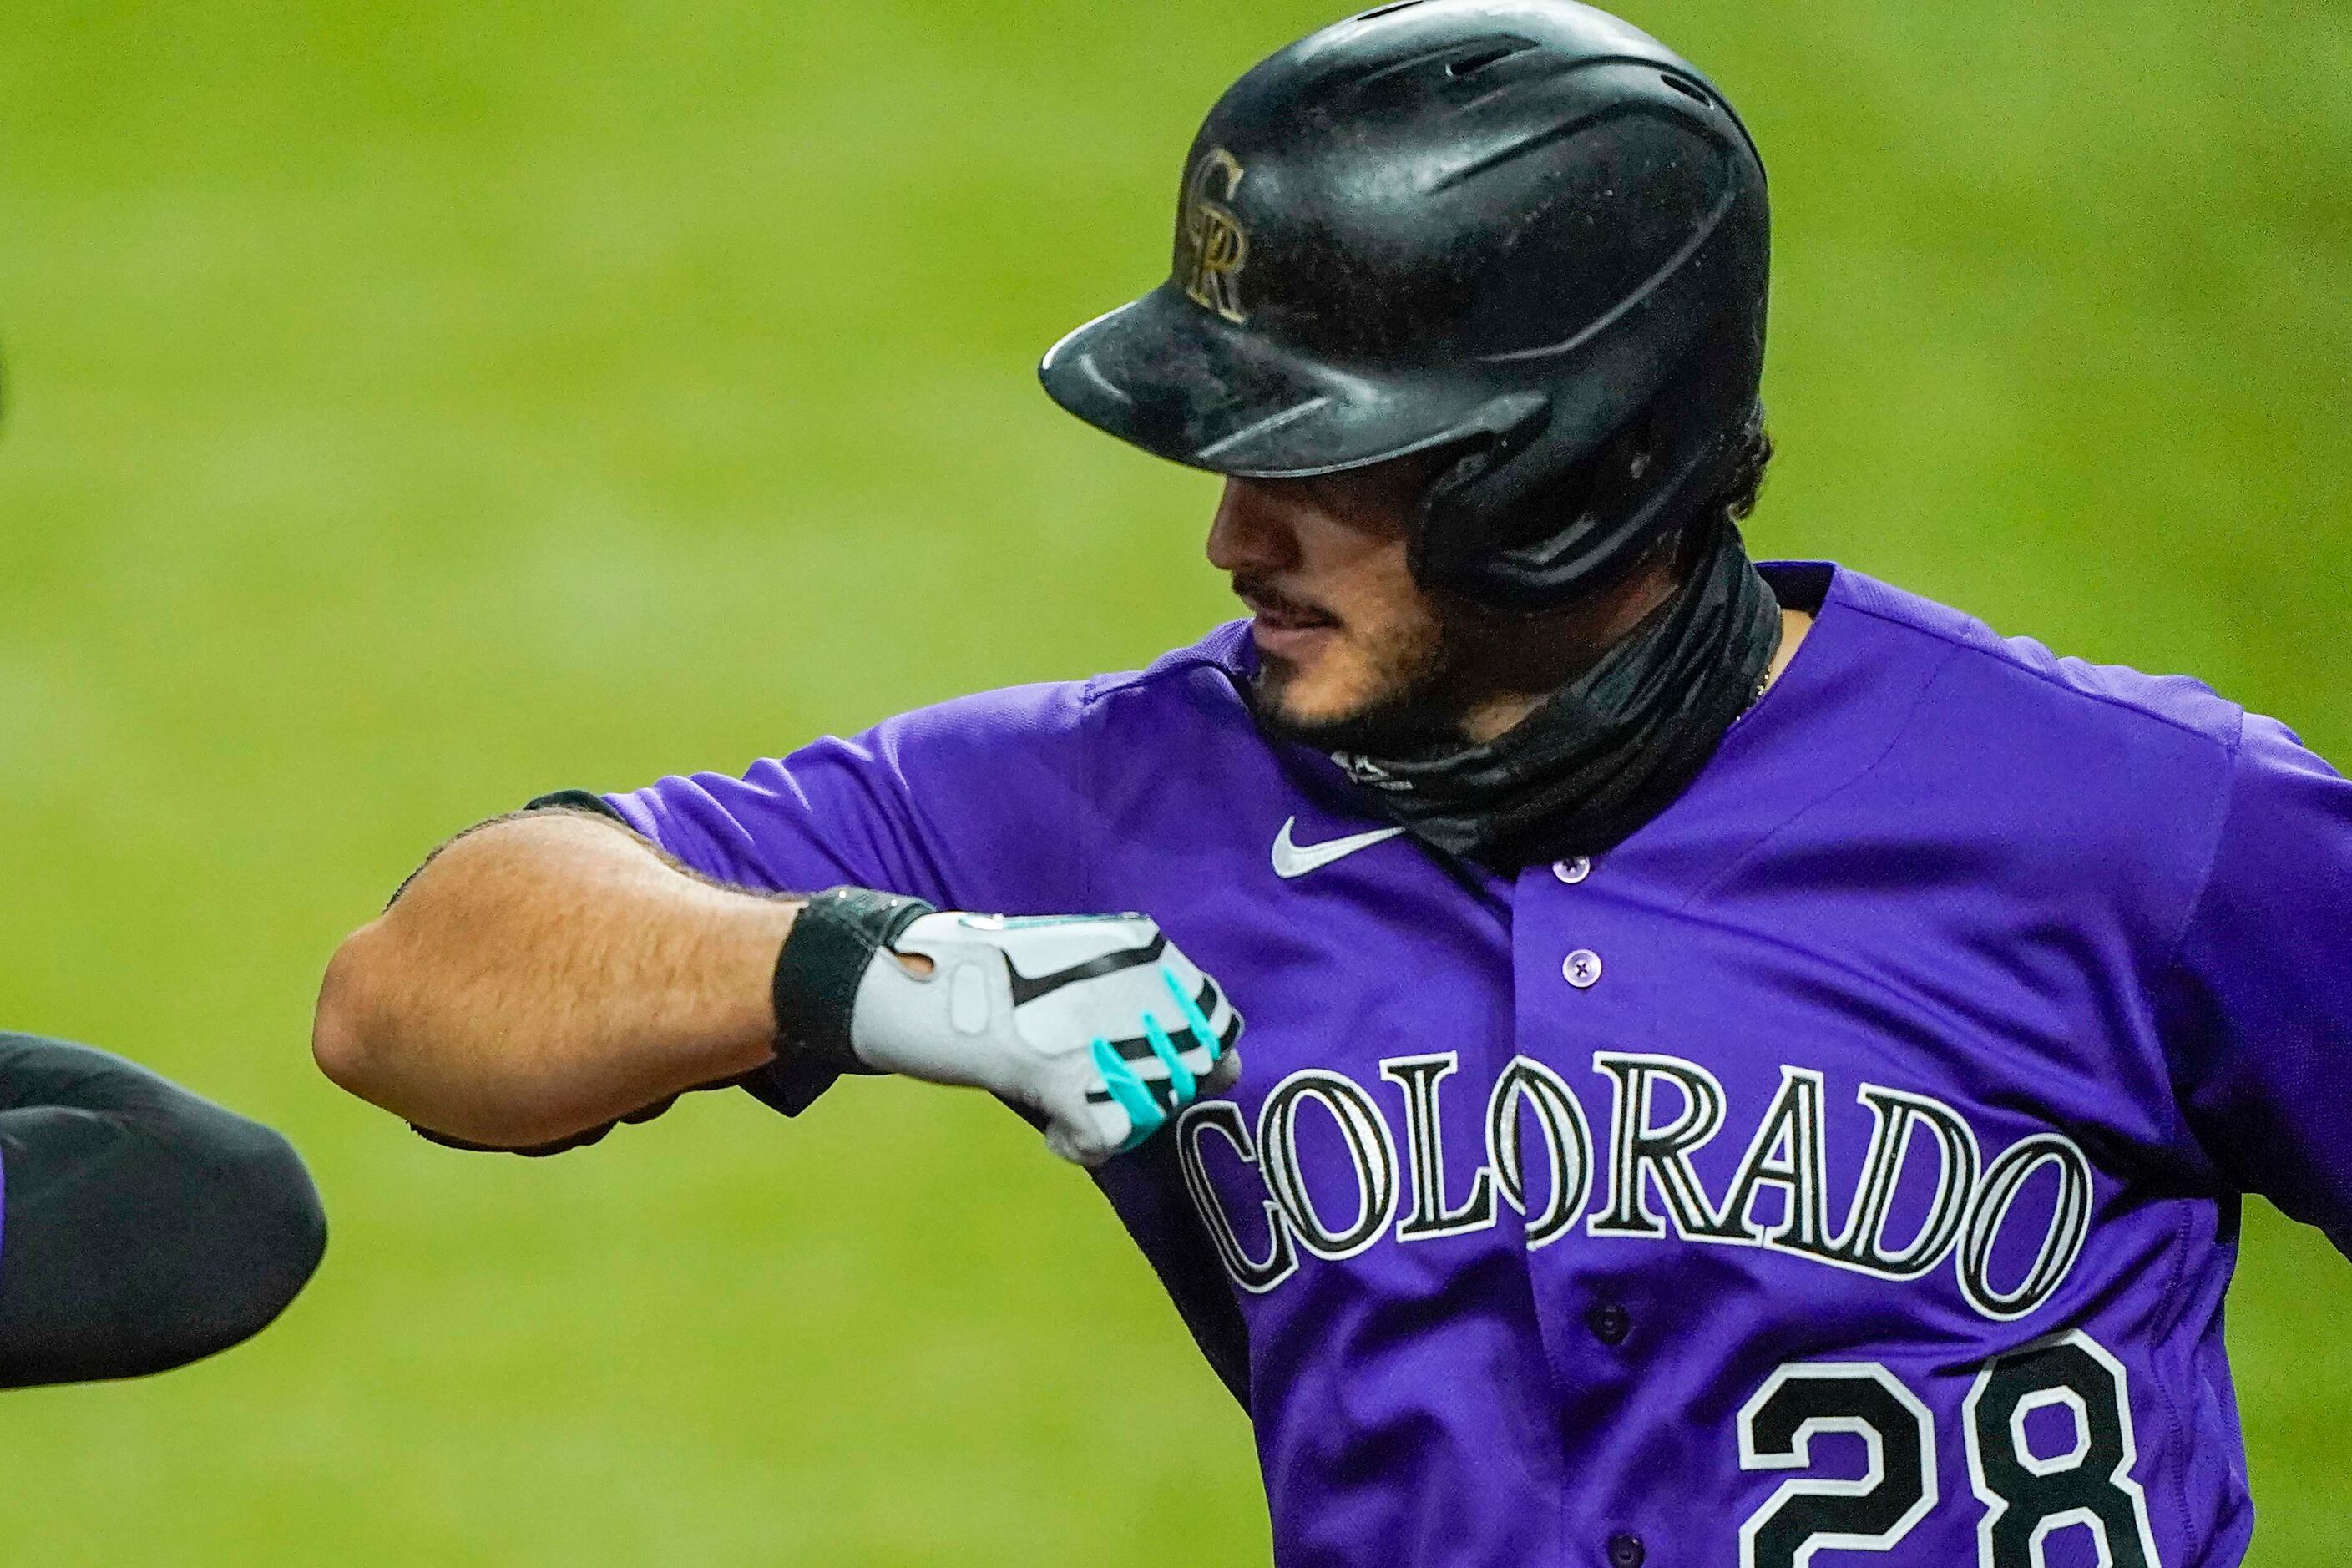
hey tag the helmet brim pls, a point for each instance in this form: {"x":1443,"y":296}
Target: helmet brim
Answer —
{"x":1184,"y":384}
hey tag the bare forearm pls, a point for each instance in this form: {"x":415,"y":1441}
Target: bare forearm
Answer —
{"x":545,"y":974}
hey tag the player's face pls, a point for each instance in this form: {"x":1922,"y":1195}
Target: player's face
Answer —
{"x":1350,"y":651}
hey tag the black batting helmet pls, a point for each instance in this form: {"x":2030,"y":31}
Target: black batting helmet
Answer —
{"x":1522,"y":228}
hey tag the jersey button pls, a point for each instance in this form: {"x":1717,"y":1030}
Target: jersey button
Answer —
{"x":1572,"y":871}
{"x":1626,"y":1552}
{"x":1581,"y":969}
{"x":1609,"y":1323}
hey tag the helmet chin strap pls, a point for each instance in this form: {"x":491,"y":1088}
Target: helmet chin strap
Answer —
{"x":1611,"y":748}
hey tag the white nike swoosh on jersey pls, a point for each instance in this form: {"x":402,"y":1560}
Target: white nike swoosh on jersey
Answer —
{"x":1292,"y":859}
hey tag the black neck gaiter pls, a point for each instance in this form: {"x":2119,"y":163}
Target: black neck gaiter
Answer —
{"x":1611,"y":748}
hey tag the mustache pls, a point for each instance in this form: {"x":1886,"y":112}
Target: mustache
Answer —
{"x":1260,"y":594}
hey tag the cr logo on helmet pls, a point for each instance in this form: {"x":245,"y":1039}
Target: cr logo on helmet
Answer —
{"x":1216,"y":249}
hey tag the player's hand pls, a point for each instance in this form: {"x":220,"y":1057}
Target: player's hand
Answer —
{"x":1096,"y":1023}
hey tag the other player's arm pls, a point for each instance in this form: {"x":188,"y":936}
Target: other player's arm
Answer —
{"x":144,"y":1226}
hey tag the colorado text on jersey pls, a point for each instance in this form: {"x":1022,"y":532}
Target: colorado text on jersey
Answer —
{"x":1956,"y":1204}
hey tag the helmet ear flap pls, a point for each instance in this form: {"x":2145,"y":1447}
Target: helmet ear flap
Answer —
{"x":1454,"y":526}
{"x":1526,"y":520}
{"x":1523,"y":524}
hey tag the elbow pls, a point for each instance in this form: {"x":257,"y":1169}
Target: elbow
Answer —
{"x":280,"y":1241}
{"x":249,"y":1240}
{"x":341,"y":1032}
{"x":288,"y":1210}
{"x":413,"y":1069}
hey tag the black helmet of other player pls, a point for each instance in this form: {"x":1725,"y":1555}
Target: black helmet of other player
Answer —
{"x":1522,"y":229}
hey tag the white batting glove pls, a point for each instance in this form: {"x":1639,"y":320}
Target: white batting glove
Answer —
{"x":1097,"y":1024}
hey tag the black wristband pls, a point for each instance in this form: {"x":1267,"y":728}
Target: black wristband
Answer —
{"x":835,"y":936}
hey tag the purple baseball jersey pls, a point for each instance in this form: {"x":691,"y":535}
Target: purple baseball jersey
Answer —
{"x":1848,"y":1162}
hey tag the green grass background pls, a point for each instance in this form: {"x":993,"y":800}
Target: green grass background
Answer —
{"x":417,"y":404}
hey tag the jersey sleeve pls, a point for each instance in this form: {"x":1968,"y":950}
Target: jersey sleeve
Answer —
{"x":974,"y":803}
{"x":2260,"y":1000}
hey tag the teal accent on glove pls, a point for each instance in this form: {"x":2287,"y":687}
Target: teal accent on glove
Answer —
{"x":1180,"y":1076}
{"x":1196,"y":1020}
{"x":1127,"y":1089}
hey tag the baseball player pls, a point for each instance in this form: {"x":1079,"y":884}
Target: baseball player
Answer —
{"x":1744,"y":1065}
